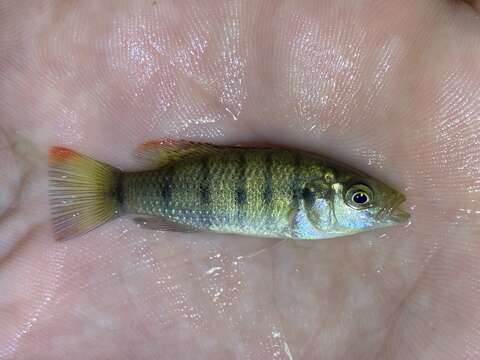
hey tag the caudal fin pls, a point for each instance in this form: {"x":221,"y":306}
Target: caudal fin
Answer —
{"x":83,"y":193}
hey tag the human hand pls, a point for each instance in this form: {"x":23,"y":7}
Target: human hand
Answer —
{"x":392,"y":88}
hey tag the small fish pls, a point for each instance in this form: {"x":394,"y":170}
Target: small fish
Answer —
{"x":191,"y":187}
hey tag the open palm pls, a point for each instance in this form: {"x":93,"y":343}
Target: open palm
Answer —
{"x":391,"y":87}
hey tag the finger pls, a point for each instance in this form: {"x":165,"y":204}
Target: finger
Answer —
{"x":474,"y":4}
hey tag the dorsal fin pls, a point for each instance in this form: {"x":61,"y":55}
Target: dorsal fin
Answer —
{"x":161,"y":152}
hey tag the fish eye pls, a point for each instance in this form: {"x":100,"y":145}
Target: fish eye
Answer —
{"x":359,"y":196}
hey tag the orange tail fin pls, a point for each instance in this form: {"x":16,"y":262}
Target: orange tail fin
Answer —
{"x":83,"y":193}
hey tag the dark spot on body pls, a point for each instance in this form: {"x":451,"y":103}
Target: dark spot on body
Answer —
{"x":308,"y":197}
{"x":240,"y":197}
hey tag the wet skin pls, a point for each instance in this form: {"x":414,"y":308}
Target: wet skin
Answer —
{"x":392,"y":88}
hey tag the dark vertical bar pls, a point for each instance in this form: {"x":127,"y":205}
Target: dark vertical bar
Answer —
{"x":295,"y":187}
{"x":204,"y":183}
{"x":167,"y":185}
{"x":267,"y":189}
{"x":118,"y":194}
{"x":240,"y":189}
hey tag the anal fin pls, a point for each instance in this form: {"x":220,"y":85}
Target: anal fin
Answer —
{"x":160,"y":223}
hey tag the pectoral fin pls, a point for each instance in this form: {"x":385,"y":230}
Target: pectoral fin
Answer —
{"x":320,"y":214}
{"x":311,"y":222}
{"x":301,"y":227}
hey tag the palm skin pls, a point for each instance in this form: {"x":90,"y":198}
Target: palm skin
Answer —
{"x":391,"y":87}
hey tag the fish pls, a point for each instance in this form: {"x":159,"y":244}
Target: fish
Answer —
{"x":189,"y":187}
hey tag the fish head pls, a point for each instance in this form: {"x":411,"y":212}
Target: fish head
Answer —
{"x":361,"y":203}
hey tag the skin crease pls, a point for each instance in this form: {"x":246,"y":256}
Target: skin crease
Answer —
{"x":390,"y":87}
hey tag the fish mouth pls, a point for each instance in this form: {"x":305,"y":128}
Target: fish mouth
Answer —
{"x":393,"y":213}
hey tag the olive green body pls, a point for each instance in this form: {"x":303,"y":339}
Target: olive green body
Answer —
{"x":269,"y":192}
{"x":242,"y":190}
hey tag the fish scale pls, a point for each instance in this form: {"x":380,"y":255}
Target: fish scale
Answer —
{"x":236,"y":183}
